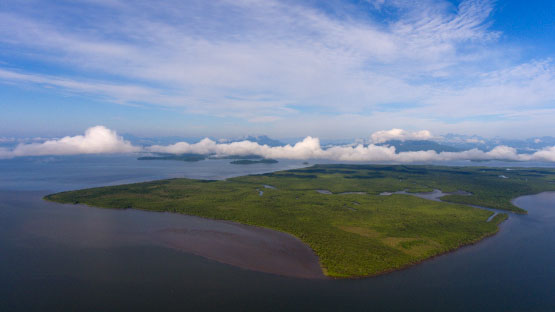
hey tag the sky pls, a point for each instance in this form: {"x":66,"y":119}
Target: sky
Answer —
{"x":288,"y":69}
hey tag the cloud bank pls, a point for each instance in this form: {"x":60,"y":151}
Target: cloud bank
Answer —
{"x":101,"y":140}
{"x":96,"y":140}
{"x":310,"y":148}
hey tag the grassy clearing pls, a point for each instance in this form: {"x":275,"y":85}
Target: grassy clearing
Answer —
{"x":352,"y":234}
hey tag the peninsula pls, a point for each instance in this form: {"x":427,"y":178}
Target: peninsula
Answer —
{"x":338,"y":211}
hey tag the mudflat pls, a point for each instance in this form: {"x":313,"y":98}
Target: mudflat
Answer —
{"x":244,"y":246}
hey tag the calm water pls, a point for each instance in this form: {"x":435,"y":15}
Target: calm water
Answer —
{"x":60,"y":257}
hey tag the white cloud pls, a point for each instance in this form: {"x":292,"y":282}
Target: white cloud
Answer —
{"x":96,"y":140}
{"x":546,"y":154}
{"x":99,"y":139}
{"x":474,"y":140}
{"x":310,"y":148}
{"x":266,"y":61}
{"x":510,"y":92}
{"x":400,"y":134}
{"x":118,"y":92}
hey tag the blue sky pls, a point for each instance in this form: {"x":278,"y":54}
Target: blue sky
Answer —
{"x":333,"y":69}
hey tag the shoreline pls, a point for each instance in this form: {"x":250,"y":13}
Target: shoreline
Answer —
{"x":288,"y":244}
{"x":410,"y":265}
{"x":182,"y":239}
{"x":289,"y":236}
{"x":473,"y":243}
{"x":245,"y":246}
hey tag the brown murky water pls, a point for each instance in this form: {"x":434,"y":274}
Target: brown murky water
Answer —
{"x":244,"y":246}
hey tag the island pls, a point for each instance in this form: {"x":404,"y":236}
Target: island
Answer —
{"x":350,"y":215}
{"x":238,"y":159}
{"x":179,"y":157}
{"x":248,"y":156}
{"x":252,"y":162}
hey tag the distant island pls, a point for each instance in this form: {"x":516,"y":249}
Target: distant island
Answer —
{"x":240,"y":159}
{"x":251,"y":162}
{"x":489,"y":160}
{"x":236,"y":157}
{"x":180,"y":157}
{"x":360,"y":220}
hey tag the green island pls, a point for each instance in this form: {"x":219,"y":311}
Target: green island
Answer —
{"x":248,"y":156}
{"x":354,"y":230}
{"x":179,"y":157}
{"x":252,"y":162}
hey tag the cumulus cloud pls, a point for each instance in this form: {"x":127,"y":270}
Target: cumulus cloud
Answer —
{"x":546,"y":154}
{"x":310,"y":148}
{"x":399,"y":134}
{"x":96,"y":140}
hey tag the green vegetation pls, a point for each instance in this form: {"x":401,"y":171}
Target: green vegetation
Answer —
{"x":352,"y":234}
{"x":250,"y":162}
{"x":181,"y":157}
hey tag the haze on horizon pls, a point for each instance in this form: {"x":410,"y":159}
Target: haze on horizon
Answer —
{"x":333,"y":69}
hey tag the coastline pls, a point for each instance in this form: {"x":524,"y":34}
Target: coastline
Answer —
{"x":412,"y":264}
{"x":289,"y":237}
{"x":477,"y":241}
{"x":245,"y":246}
{"x":114,"y":247}
{"x":336,"y":251}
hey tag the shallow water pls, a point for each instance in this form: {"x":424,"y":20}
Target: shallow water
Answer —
{"x":80,"y":226}
{"x":60,"y":257}
{"x":324,"y":192}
